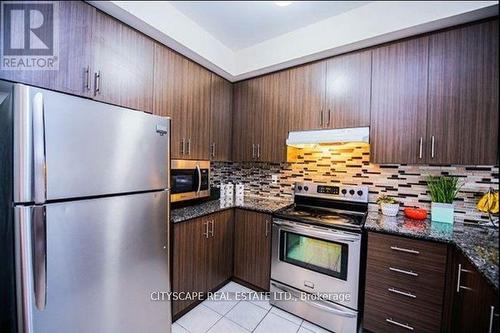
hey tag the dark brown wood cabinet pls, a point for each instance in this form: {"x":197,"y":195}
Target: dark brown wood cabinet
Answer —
{"x":202,"y":256}
{"x":182,"y":91}
{"x":252,"y":248}
{"x":348,"y":85}
{"x":399,"y":102}
{"x":474,"y":306}
{"x":260,"y":118}
{"x":463,"y":95}
{"x":221,"y":105}
{"x":405,"y":282}
{"x":307,"y":96}
{"x":73,"y":74}
{"x":122,"y":64}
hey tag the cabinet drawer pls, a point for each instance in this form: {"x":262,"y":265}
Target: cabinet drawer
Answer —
{"x":422,"y":255}
{"x":385,"y":313}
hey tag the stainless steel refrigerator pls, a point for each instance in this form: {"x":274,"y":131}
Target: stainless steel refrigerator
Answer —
{"x":84,"y":216}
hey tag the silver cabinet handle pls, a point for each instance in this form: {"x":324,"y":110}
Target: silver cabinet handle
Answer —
{"x":321,"y":118}
{"x":87,"y":78}
{"x":404,"y":293}
{"x":189,"y":146}
{"x":420,"y":148}
{"x":400,"y":249}
{"x":97,"y":83}
{"x":459,"y":278}
{"x":206,"y":229}
{"x":39,"y":175}
{"x":212,"y":223}
{"x":432,"y":146}
{"x":212,"y":146}
{"x":402,"y":271}
{"x":328,"y":119}
{"x":391,"y":321}
{"x":40,"y":256}
{"x":258,"y":150}
{"x":492,"y":314}
{"x":253,"y":150}
{"x":183,"y":146}
{"x":267,"y":227}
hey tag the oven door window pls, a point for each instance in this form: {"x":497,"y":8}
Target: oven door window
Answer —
{"x":319,"y":255}
{"x":184,"y":181}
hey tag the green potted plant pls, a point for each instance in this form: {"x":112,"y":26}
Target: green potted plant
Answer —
{"x":443,"y":191}
{"x":388,"y":205}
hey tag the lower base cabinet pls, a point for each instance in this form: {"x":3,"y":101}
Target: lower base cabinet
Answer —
{"x":405,"y":282}
{"x":252,"y":248}
{"x":202,"y":256}
{"x":474,"y":301}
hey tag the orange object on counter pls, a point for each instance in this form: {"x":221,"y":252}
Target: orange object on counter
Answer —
{"x":415,"y":213}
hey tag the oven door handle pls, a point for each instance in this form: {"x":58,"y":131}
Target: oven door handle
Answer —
{"x":329,"y":308}
{"x":199,"y":178}
{"x":335,"y":235}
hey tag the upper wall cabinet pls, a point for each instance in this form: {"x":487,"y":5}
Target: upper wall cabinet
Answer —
{"x":331,"y":94}
{"x":182,"y":91}
{"x":122,"y":64}
{"x":221,"y":104}
{"x":463,"y":95}
{"x":74,"y":73}
{"x":399,"y":102}
{"x":348,"y":90}
{"x":261,"y":118}
{"x":307,"y":96}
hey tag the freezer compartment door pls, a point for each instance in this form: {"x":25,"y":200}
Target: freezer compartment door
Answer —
{"x":69,"y":147}
{"x":92,"y":265}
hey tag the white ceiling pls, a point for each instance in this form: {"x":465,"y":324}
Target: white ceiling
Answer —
{"x":239,"y":40}
{"x":240,"y":24}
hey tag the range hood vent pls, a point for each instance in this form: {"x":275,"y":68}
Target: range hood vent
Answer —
{"x":306,"y":138}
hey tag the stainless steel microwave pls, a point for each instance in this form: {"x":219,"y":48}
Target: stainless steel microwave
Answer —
{"x":189,"y":180}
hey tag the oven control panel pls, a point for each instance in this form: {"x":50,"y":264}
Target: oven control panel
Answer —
{"x":341,"y":192}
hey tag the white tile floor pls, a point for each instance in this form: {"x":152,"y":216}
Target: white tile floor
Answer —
{"x":241,"y":317}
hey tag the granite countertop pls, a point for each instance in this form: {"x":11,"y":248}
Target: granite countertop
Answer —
{"x":259,"y":204}
{"x":478,"y":243}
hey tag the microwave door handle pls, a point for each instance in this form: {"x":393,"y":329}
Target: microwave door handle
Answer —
{"x":199,"y":178}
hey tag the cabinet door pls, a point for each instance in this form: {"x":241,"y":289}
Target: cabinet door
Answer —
{"x":220,"y":249}
{"x":189,"y":260}
{"x":307,"y":96}
{"x":475,"y":302}
{"x":170,"y":82}
{"x":463,"y":95}
{"x":221,"y":119}
{"x":124,"y":59}
{"x":198,"y":112}
{"x":252,"y":248}
{"x":75,"y":33}
{"x":399,"y":102}
{"x":273,"y":117}
{"x":348,"y":83}
{"x":244,"y":128}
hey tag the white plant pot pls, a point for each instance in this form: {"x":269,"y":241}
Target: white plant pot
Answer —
{"x":389,"y":209}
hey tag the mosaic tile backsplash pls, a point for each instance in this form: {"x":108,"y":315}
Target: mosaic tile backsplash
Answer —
{"x":349,"y":164}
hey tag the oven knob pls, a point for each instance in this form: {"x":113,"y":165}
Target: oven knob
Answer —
{"x":360,"y":193}
{"x":306,"y":188}
{"x":351,"y":192}
{"x":344,"y":191}
{"x":299,"y":188}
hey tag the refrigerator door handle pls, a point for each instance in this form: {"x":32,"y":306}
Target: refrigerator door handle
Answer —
{"x":39,"y":176}
{"x":40,"y":256}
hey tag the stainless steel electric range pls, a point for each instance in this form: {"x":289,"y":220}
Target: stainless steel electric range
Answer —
{"x":316,"y":254}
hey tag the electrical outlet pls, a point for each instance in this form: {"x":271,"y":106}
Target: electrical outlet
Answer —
{"x":274,"y":179}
